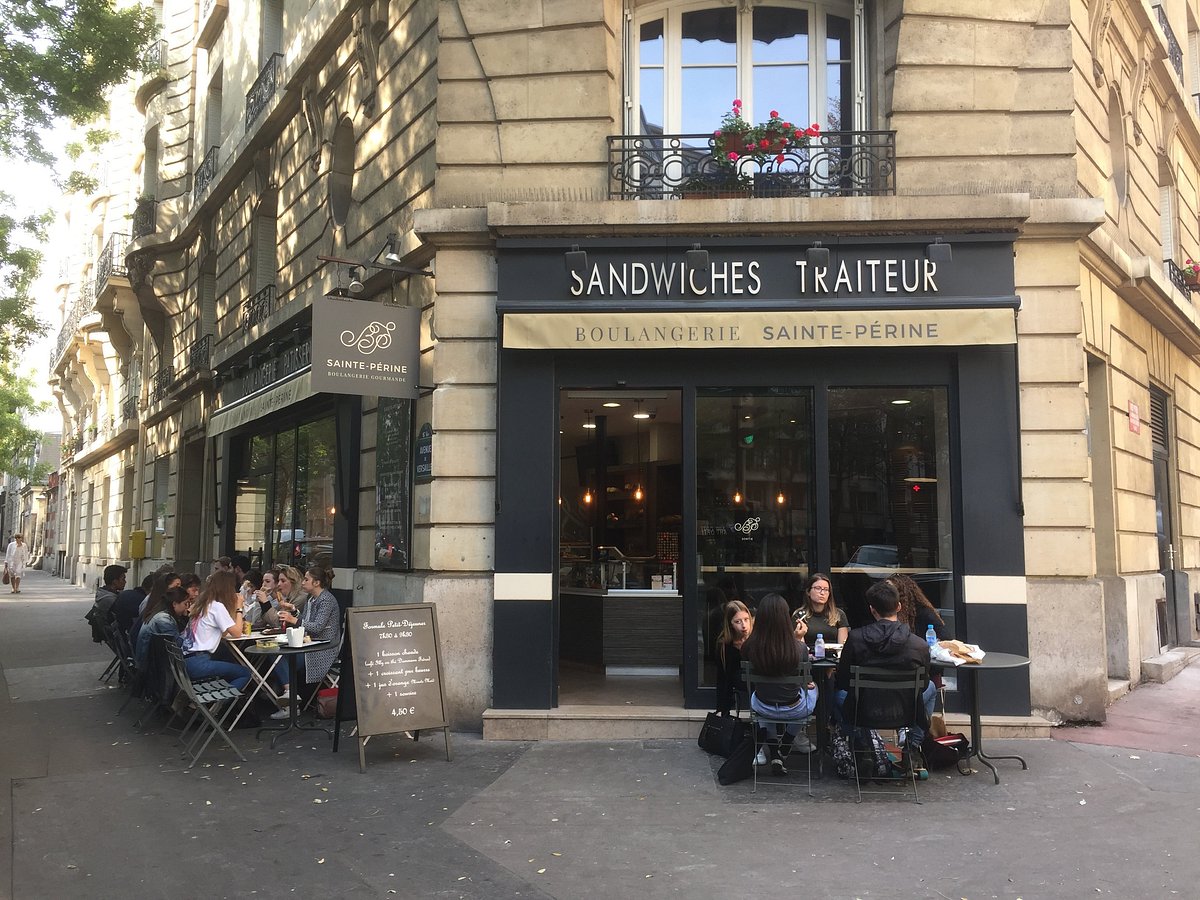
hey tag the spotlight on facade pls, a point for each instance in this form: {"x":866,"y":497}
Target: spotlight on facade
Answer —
{"x":939,"y":252}
{"x":391,"y":250}
{"x":696,"y":259}
{"x":577,"y":261}
{"x":356,"y":285}
{"x":817,"y":255}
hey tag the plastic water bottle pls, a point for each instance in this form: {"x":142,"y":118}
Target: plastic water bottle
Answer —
{"x":819,"y":647}
{"x":931,"y":636}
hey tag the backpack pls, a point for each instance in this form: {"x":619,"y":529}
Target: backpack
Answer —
{"x":100,"y":615}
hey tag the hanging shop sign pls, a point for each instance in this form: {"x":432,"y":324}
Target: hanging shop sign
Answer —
{"x":745,"y":330}
{"x":365,"y":348}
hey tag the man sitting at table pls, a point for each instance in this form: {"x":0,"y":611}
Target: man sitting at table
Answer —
{"x":886,"y":643}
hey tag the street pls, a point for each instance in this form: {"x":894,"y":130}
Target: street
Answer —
{"x":92,"y":808}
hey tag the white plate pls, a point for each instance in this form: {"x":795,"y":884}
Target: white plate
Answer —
{"x":833,"y":646}
{"x":279,"y":638}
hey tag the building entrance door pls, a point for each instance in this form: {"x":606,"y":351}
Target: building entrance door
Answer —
{"x":1166,"y":609}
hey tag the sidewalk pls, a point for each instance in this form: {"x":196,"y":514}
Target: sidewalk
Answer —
{"x":98,"y":810}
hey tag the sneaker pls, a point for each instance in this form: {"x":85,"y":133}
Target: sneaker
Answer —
{"x":761,"y":758}
{"x":280,"y":714}
{"x":802,"y":744}
{"x":777,"y":767}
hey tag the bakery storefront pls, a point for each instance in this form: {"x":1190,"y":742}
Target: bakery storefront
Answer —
{"x":681,"y":422}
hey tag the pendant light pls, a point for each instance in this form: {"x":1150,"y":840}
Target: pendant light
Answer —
{"x":638,"y":493}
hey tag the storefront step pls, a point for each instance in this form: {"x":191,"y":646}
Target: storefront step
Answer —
{"x":625,"y":723}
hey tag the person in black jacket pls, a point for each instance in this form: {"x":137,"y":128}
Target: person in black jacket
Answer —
{"x":129,"y":601}
{"x":889,"y":644}
{"x":733,"y":636}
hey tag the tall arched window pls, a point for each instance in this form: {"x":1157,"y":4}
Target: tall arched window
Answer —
{"x":692,"y":59}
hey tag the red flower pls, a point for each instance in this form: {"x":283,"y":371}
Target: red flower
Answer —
{"x":737,"y":104}
{"x":774,"y":114}
{"x":799,"y":134}
{"x":779,"y":158}
{"x":733,"y":157}
{"x":787,"y":125}
{"x":764,"y":143}
{"x":813,"y":130}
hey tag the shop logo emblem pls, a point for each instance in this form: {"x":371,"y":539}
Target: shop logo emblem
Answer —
{"x":749,"y":526}
{"x":376,"y":336}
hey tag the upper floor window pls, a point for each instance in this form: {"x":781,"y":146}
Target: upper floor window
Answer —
{"x":692,"y":59}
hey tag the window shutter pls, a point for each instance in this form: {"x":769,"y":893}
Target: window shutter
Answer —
{"x":1159,"y":430}
{"x":272,"y":28}
{"x":1166,"y":216}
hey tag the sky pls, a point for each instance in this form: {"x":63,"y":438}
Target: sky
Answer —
{"x":33,"y":190}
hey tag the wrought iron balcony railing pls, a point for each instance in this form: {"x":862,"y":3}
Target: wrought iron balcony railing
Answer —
{"x":154,"y":57}
{"x":163,"y":379}
{"x":1174,"y":51}
{"x":84,"y":304}
{"x":199,"y":356}
{"x":205,"y":172}
{"x":1179,"y":277}
{"x":145,"y":217}
{"x":259,"y":96}
{"x":111,"y":261}
{"x":671,"y":166}
{"x":258,"y":308}
{"x":129,"y":408}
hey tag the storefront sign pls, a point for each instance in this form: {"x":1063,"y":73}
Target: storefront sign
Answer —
{"x":745,"y":330}
{"x":264,"y":403}
{"x":363,"y":347}
{"x":755,"y":272}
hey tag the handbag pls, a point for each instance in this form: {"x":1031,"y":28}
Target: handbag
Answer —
{"x":721,"y":733}
{"x":6,"y":575}
{"x":946,"y":751}
{"x":327,"y":702}
{"x":740,"y":764}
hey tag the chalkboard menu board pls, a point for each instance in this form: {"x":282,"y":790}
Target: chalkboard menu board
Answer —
{"x":393,"y":445}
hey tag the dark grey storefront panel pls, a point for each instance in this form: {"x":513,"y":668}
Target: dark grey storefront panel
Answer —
{"x":756,"y":273}
{"x":523,"y":655}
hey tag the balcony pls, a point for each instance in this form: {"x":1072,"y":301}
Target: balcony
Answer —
{"x":145,"y":217}
{"x":205,"y":172}
{"x":154,"y":57}
{"x":84,"y":304}
{"x":111,"y":261}
{"x":199,"y":357}
{"x":129,"y":408}
{"x":258,"y":308}
{"x":1174,"y":51}
{"x":262,"y":91}
{"x":1181,"y":277}
{"x":164,"y":378}
{"x":674,"y":166}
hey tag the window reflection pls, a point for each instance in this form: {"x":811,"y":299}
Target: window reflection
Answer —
{"x":890,"y":493}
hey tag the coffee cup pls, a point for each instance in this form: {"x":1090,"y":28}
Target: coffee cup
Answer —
{"x":295,"y":636}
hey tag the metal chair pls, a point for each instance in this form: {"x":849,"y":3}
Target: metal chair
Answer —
{"x":895,"y":697}
{"x":776,"y":727}
{"x":118,"y":642}
{"x":211,"y":698}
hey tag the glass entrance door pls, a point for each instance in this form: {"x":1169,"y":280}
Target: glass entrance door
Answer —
{"x":754,"y":502}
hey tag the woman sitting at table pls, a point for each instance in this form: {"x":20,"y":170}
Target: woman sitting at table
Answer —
{"x":289,"y":589}
{"x":266,"y":601}
{"x":738,"y":623}
{"x":251,"y":585}
{"x":163,"y":582}
{"x":774,"y":650}
{"x":217,"y":613}
{"x":820,"y":614}
{"x":915,"y":609}
{"x":191,"y":584}
{"x":167,"y":616}
{"x":322,"y":619}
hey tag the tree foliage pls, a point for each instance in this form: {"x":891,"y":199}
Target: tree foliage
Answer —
{"x":58,"y":60}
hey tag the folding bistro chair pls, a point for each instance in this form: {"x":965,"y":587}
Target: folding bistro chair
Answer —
{"x":776,"y":728}
{"x":212,"y":699}
{"x":158,"y":681}
{"x":331,"y":678}
{"x":895,"y":698}
{"x":123,"y":655}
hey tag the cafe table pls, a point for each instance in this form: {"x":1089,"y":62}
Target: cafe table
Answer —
{"x":237,"y":647}
{"x":290,"y":654}
{"x":991,"y":662}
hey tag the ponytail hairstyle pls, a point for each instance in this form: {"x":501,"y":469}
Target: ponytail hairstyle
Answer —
{"x":320,"y":575}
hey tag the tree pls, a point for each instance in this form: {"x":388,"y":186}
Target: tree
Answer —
{"x":58,"y":59}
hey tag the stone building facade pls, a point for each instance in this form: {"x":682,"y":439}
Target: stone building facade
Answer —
{"x":452,"y":154}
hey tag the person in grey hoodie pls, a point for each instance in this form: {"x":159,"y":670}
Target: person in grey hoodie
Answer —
{"x":886,"y":643}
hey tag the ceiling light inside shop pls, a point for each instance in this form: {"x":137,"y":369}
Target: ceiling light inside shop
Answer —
{"x":901,"y":402}
{"x":612,"y":404}
{"x":641,"y":414}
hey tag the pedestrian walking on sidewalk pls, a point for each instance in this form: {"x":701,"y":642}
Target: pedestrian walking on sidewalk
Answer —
{"x":16,"y":558}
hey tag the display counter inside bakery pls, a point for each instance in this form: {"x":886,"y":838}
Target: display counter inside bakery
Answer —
{"x":624,"y":615}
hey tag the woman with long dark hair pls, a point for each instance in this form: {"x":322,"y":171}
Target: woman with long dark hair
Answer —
{"x":216,"y":613}
{"x":819,"y":612}
{"x":774,"y":650}
{"x":915,"y":609}
{"x":738,"y":623}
